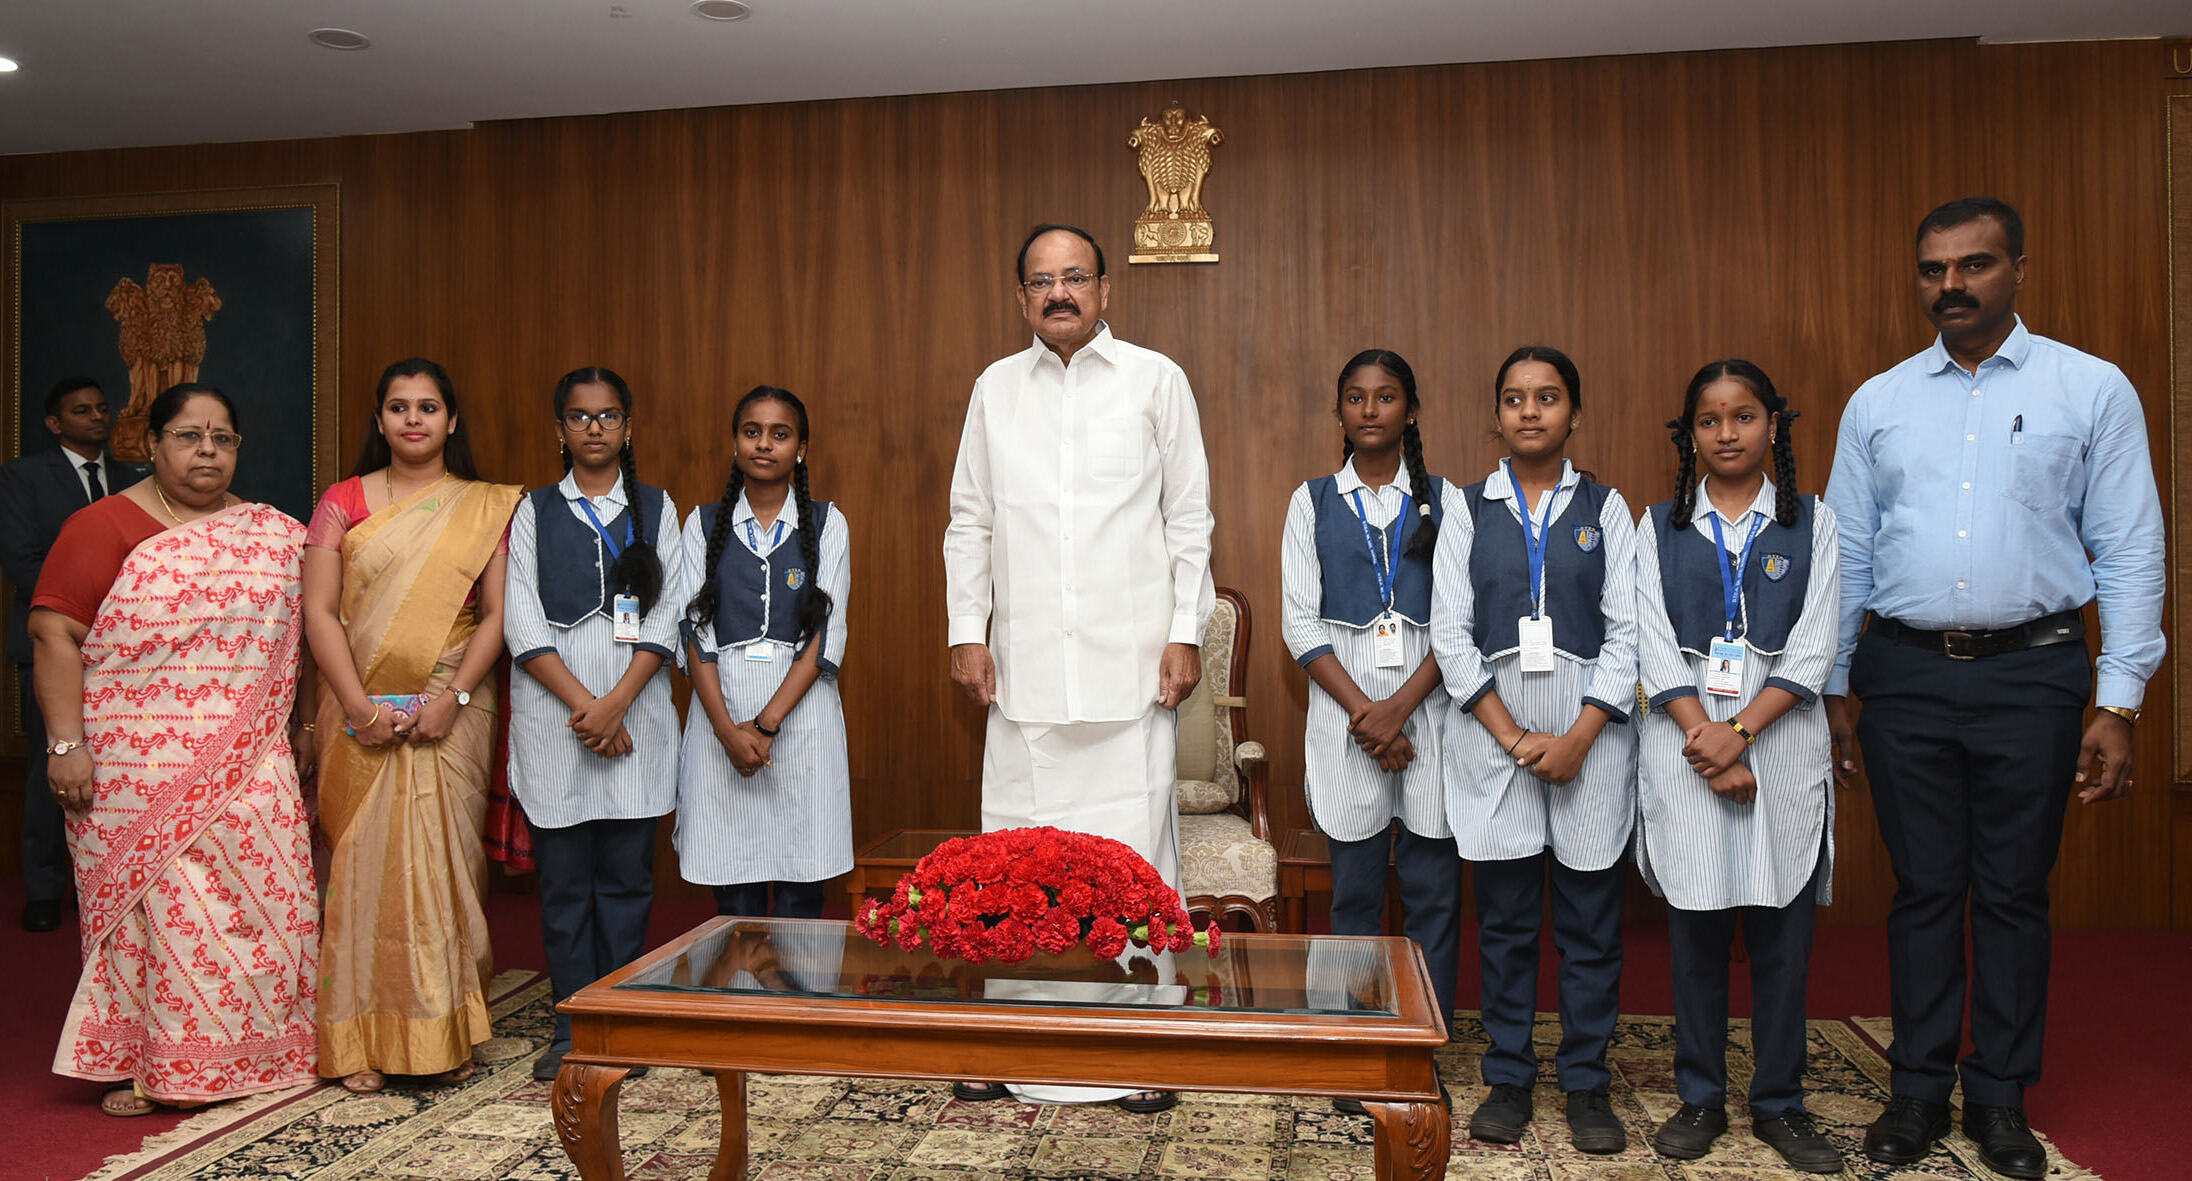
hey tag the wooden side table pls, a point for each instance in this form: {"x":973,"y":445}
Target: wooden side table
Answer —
{"x":1305,"y":865}
{"x":881,"y":862}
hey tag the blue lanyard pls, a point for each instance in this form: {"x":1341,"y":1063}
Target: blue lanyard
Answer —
{"x":616,"y":551}
{"x":1386,"y":573}
{"x":1534,"y":542}
{"x":1731,"y":581}
{"x":753,"y":542}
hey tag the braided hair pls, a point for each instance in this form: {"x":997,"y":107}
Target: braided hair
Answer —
{"x":1411,"y":443}
{"x":639,"y":571}
{"x":814,"y":602}
{"x":1683,"y":430}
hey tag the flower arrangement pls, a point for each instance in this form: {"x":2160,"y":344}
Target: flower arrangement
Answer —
{"x":1007,"y":894}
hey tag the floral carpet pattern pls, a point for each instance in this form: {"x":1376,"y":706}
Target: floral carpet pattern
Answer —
{"x":838,"y":1129}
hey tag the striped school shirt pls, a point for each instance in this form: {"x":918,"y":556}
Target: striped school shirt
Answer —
{"x":1500,"y":812}
{"x":560,"y":782}
{"x":1701,"y":852}
{"x":791,"y":821}
{"x":1351,"y":798}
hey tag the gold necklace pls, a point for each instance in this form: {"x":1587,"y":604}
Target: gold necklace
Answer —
{"x":164,"y":504}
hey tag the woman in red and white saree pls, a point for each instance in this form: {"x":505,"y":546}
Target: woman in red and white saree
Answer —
{"x":168,"y":631}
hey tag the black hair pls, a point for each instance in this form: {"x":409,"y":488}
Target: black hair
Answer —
{"x":1685,"y":439}
{"x":66,"y":386}
{"x":1549,"y":355}
{"x":1964,"y":210}
{"x":814,"y":602}
{"x":171,"y":401}
{"x":1411,"y":443}
{"x":456,"y":454}
{"x":639,"y":571}
{"x":1020,"y":267}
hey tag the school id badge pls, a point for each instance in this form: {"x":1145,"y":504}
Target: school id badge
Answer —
{"x":624,"y":613}
{"x":1724,"y":668}
{"x":1385,"y":636}
{"x":1536,"y":636}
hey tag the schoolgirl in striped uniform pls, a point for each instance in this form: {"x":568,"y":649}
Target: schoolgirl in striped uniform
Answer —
{"x":1533,"y":621}
{"x":593,"y":732}
{"x":1356,"y":577}
{"x":1737,"y":580}
{"x":764,"y":791}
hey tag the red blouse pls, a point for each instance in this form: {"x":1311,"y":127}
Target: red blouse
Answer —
{"x":88,"y":556}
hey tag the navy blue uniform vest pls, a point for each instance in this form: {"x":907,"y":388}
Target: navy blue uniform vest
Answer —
{"x":573,"y":568}
{"x":1575,"y":572}
{"x":1773,"y":583}
{"x":1350,"y":581}
{"x":758,"y":596}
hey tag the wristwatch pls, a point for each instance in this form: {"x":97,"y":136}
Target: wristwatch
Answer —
{"x":62,"y":747}
{"x":2129,"y":715}
{"x":463,"y":698}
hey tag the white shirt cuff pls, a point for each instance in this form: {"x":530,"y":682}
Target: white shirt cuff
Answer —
{"x":1186,"y":629}
{"x":967,"y":629}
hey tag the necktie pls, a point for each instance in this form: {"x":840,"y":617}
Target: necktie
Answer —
{"x":91,"y":473}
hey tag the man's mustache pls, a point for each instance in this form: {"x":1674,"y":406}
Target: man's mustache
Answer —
{"x":1953,"y":299}
{"x":1061,"y":305}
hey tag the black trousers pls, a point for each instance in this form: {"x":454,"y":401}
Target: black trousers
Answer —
{"x":1971,"y":764}
{"x":1778,"y":939}
{"x":597,"y":887}
{"x":1586,"y":929}
{"x":793,"y":900}
{"x":48,"y":873}
{"x":1429,"y":869}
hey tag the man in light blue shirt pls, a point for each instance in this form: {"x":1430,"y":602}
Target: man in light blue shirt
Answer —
{"x":1971,"y":483}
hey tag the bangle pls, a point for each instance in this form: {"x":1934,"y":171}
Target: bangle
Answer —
{"x":764,"y":731}
{"x":308,"y":727}
{"x":1736,"y":725}
{"x":1518,"y":741}
{"x":369,"y":721}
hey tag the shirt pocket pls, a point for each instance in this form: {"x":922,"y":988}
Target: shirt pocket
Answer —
{"x":1115,"y":449}
{"x":2043,"y":471}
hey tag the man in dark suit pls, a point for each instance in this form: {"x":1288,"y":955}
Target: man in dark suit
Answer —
{"x":37,"y":494}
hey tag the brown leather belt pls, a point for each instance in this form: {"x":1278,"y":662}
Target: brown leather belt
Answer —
{"x":2063,"y":627}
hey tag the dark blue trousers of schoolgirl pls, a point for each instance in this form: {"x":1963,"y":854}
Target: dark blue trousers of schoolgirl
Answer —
{"x":1970,"y":763}
{"x":1429,"y":869}
{"x":1586,"y":930}
{"x":1778,"y":940}
{"x":597,"y":887}
{"x":794,"y":900}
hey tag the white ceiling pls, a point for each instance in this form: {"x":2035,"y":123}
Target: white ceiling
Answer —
{"x":125,"y":73}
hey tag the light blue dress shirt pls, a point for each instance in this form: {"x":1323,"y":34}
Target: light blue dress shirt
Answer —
{"x":1972,"y":501}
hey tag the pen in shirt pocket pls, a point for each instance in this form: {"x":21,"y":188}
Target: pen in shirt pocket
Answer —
{"x":2017,"y":431}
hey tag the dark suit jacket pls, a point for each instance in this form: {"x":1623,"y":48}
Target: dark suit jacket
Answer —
{"x":37,"y":494}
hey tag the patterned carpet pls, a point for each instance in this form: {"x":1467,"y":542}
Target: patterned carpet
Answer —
{"x":829,"y":1129}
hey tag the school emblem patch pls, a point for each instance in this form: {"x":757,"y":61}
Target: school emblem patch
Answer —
{"x":1586,"y":537}
{"x":1776,"y":566}
{"x":795,"y":578}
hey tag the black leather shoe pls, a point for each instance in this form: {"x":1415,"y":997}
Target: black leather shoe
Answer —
{"x":1906,"y":1130}
{"x":1150,"y":1102}
{"x":978,"y":1092}
{"x":1689,"y":1133}
{"x":2005,"y":1141}
{"x":1797,"y":1139}
{"x":1503,"y":1116}
{"x":42,"y":915}
{"x":546,"y":1066}
{"x":1592,"y":1124}
{"x":1348,"y":1105}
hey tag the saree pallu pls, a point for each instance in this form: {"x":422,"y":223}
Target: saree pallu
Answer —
{"x":405,"y":949}
{"x":194,"y":862}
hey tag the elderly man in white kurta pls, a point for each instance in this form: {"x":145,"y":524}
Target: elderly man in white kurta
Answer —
{"x":1079,"y":550}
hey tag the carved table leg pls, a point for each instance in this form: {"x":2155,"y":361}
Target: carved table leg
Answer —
{"x":584,"y":1104}
{"x":1411,"y":1140}
{"x":730,"y":1154}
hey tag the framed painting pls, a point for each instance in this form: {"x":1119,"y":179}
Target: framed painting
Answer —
{"x":234,"y":287}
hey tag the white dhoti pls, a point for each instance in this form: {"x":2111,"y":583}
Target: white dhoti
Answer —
{"x":1109,"y":779}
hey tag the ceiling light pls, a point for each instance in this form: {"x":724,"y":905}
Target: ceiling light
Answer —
{"x":338,"y":39}
{"x":7,"y":65}
{"x":721,"y":10}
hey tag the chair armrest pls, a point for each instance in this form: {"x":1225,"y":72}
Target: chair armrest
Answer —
{"x":1255,"y":768}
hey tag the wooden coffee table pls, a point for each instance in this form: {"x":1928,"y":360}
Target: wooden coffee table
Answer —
{"x":1271,"y":1014}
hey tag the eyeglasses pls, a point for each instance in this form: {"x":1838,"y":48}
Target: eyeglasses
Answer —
{"x":575,"y":421}
{"x":192,"y":439}
{"x":1075,"y":280}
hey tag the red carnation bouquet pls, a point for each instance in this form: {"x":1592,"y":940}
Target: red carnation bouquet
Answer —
{"x":1008,"y":894}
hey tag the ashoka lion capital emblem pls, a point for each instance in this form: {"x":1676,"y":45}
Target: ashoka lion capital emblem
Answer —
{"x":1174,"y":155}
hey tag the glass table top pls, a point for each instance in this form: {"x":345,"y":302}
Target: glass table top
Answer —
{"x":1299,"y":974}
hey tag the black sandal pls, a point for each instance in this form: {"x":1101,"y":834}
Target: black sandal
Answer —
{"x":978,"y":1092}
{"x":1150,"y":1102}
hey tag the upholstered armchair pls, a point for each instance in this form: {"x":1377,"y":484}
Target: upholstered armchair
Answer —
{"x":1228,"y":864}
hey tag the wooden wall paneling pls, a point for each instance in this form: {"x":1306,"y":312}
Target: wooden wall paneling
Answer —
{"x":1644,"y":213}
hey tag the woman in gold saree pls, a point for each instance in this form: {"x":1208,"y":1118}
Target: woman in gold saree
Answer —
{"x":167,"y":631}
{"x":403,"y":576}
